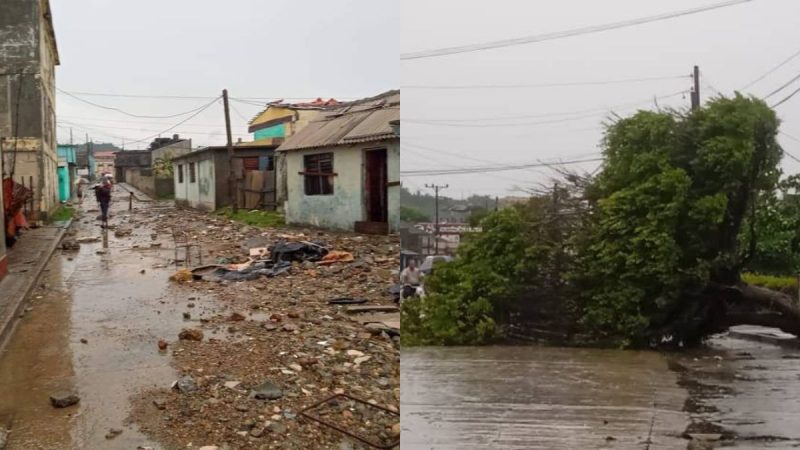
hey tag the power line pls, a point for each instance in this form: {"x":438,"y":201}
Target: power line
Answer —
{"x":563,"y":113}
{"x":543,"y":85}
{"x":472,"y":170}
{"x":191,"y":97}
{"x":110,"y":108}
{"x":786,"y":98}
{"x":246,"y":120}
{"x":133,"y":122}
{"x":772,"y":70}
{"x":563,"y":34}
{"x":783,"y":86}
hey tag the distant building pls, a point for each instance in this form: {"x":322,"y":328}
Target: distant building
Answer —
{"x":343,"y":168}
{"x":150,"y":170}
{"x":201,"y":178}
{"x":280,"y":120}
{"x":104,"y":163}
{"x":67,"y":171}
{"x":28,"y":56}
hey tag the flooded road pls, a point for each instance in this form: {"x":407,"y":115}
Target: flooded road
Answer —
{"x":96,"y":318}
{"x":733,"y":394}
{"x":539,"y":397}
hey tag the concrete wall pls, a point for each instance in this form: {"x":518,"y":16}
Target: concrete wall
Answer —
{"x":200,"y":194}
{"x":346,"y":206}
{"x":27,"y":100}
{"x":144,"y":182}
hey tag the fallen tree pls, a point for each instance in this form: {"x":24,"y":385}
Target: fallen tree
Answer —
{"x":647,"y":253}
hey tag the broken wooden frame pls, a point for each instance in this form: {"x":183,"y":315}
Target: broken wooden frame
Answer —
{"x":306,"y":413}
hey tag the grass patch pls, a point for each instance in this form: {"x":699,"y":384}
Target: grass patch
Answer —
{"x":787,"y":285}
{"x":62,"y":214}
{"x":254,"y":217}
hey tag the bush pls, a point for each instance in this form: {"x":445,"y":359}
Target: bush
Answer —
{"x":255,"y":217}
{"x":62,"y":214}
{"x":787,"y":285}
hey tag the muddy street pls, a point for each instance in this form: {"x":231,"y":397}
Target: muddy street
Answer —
{"x":104,"y":324}
{"x":734,"y":393}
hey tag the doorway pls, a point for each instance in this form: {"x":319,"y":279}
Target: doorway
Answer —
{"x":376,"y":186}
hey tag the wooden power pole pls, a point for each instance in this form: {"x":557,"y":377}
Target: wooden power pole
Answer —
{"x":696,"y":88}
{"x":232,"y":175}
{"x":436,"y":188}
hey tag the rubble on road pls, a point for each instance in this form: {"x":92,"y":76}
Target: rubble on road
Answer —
{"x":274,"y":334}
{"x":64,"y":399}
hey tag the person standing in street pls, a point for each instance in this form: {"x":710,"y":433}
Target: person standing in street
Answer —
{"x":103,"y":194}
{"x":410,"y":279}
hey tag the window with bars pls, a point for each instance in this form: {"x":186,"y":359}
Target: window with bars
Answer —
{"x":192,"y":177}
{"x":318,"y":174}
{"x":180,"y":173}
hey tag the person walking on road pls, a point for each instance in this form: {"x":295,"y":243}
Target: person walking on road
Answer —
{"x":410,"y":279}
{"x":103,"y":194}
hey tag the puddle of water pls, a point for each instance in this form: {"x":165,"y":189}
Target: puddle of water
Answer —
{"x":539,"y":397}
{"x":122,"y":313}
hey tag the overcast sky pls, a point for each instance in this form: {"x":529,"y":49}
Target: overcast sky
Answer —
{"x":256,"y":49}
{"x":732,"y":46}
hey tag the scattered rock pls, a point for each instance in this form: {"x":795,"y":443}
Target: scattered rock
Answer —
{"x":84,"y":341}
{"x":160,"y":403}
{"x":185,"y":384}
{"x":362,"y":359}
{"x":3,"y":438}
{"x":276,"y":427}
{"x":64,"y":399}
{"x":396,"y":429}
{"x":187,"y":316}
{"x":112,"y":433}
{"x":266,"y":391}
{"x":705,"y":436}
{"x":70,"y":245}
{"x":142,"y":271}
{"x":209,"y":447}
{"x":237,"y":316}
{"x":354,"y":353}
{"x":162,"y":344}
{"x":293,"y":315}
{"x":241,"y":407}
{"x":296,"y":367}
{"x":191,"y":334}
{"x":290,"y":327}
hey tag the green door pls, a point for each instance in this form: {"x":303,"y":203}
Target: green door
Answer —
{"x":63,"y":184}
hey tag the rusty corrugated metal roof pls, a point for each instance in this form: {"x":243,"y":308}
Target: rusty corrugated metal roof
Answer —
{"x":360,"y":121}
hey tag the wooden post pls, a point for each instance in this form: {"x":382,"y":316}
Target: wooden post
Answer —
{"x":232,"y":183}
{"x":130,"y":202}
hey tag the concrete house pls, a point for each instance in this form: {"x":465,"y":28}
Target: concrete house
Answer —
{"x":28,"y":56}
{"x":150,"y":170}
{"x":104,"y":163}
{"x":67,"y":171}
{"x":343,"y":168}
{"x":201,"y":177}
{"x":280,"y":120}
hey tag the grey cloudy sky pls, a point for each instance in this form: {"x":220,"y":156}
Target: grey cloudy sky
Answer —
{"x":732,"y":46}
{"x":256,"y":49}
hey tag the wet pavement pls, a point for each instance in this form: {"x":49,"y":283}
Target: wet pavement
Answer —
{"x":539,"y":397}
{"x":736,"y":392}
{"x":118,"y":300}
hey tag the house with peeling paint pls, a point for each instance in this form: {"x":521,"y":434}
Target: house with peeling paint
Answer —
{"x":280,"y":120}
{"x":28,"y":56}
{"x":343,"y":168}
{"x":202,"y":177}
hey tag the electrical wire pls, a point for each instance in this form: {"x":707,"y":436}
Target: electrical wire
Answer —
{"x":563,"y":113}
{"x":782,"y":87}
{"x":110,"y":108}
{"x":563,"y":34}
{"x":785,"y":99}
{"x":544,"y":85}
{"x":471,"y":170}
{"x":188,"y":97}
{"x":772,"y":70}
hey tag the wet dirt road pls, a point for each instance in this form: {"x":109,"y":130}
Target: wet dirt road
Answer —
{"x":749,"y":392}
{"x":539,"y":398}
{"x":733,"y":393}
{"x":120,"y":312}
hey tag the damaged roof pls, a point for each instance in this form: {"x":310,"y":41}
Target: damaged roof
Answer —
{"x":279,"y":109}
{"x":364,"y":120}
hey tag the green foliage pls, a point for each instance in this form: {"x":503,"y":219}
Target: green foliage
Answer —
{"x":785,"y":284}
{"x":63,"y":213}
{"x":470,"y":298}
{"x":671,"y":200}
{"x":773,"y":234}
{"x":477,"y":214}
{"x":255,"y":217}
{"x":163,"y":167}
{"x":411,"y":214}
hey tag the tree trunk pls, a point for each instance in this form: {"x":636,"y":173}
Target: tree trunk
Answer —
{"x":783,"y":313}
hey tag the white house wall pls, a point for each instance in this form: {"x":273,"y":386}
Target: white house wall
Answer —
{"x":346,"y":206}
{"x":202,"y":193}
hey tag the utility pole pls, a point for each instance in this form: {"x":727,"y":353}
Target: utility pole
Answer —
{"x":696,"y":89}
{"x":436,"y":188}
{"x":232,"y":176}
{"x":496,"y":203}
{"x":70,"y":136}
